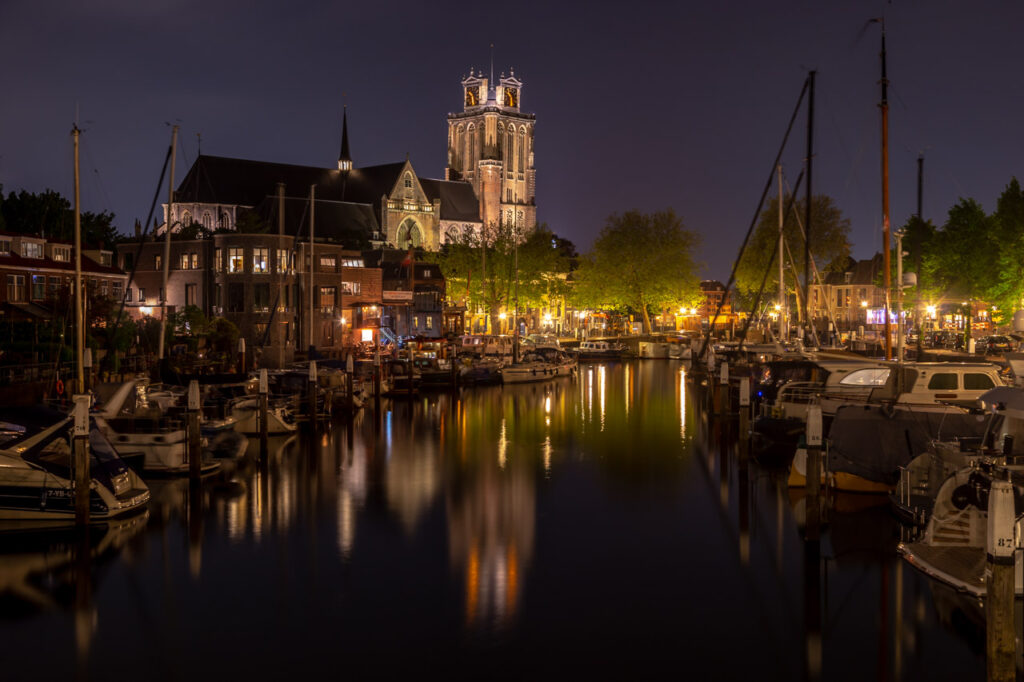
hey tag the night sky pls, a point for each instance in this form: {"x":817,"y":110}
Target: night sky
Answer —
{"x":639,"y":105}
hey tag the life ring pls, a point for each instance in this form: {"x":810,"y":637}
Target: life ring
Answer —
{"x":60,"y":387}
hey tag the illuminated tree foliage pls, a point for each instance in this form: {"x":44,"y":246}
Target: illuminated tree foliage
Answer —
{"x":830,"y":246}
{"x":640,"y":262}
{"x":962,"y":257}
{"x":1007,"y":260}
{"x":482,"y":271}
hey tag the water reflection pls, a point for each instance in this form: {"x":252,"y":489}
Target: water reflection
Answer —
{"x":510,"y":526}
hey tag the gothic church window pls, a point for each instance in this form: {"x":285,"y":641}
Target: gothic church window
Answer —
{"x":409,"y":235}
{"x":471,"y":148}
{"x":186,"y":218}
{"x":520,"y":153}
{"x":207,"y":221}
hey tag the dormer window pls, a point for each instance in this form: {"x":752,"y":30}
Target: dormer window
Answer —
{"x":62,"y":254}
{"x":847,"y":277}
{"x":31,"y":250}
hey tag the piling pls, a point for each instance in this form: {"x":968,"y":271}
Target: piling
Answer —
{"x":408,"y":375}
{"x":312,"y":392}
{"x":87,"y":364}
{"x":813,"y":470}
{"x":241,"y":355}
{"x":350,"y":384}
{"x":1000,"y":636}
{"x":744,"y":425}
{"x":195,"y":448}
{"x":83,"y":477}
{"x":264,"y":412}
{"x":724,"y":408}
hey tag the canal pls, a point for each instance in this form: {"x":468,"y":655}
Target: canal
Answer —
{"x":595,"y":527}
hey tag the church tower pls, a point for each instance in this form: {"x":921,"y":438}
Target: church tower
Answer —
{"x":490,"y":145}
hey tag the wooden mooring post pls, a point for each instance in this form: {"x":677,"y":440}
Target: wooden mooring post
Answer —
{"x":83,"y":476}
{"x":241,"y":355}
{"x":264,"y":389}
{"x":724,"y":398}
{"x":87,"y":364}
{"x":195,"y":447}
{"x":350,"y":385}
{"x":813,"y":436}
{"x":312,"y":392}
{"x":1000,"y":635}
{"x":744,"y":421}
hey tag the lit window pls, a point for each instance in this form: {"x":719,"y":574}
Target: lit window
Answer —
{"x":282,"y":260}
{"x":328,"y":298}
{"x":260,"y":259}
{"x":31,"y":250}
{"x":430,"y":322}
{"x":5,"y":246}
{"x":351,"y":288}
{"x":352,"y":262}
{"x":195,"y":261}
{"x":158,"y":262}
{"x":328,"y":262}
{"x":218,"y":260}
{"x":184,"y":261}
{"x":261,"y":298}
{"x":235,"y":256}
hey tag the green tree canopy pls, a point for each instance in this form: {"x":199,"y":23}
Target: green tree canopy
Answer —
{"x":481,"y":271}
{"x":50,"y":215}
{"x":1007,"y":291}
{"x":639,"y":262}
{"x":830,"y":245}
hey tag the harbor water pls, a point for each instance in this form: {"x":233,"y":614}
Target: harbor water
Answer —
{"x":603,"y":526}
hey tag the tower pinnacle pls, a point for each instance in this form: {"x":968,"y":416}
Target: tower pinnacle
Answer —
{"x":344,"y":158}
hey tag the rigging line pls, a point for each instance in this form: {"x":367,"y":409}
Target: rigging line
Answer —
{"x":854,"y":160}
{"x":814,"y":269}
{"x":757,"y":214}
{"x":768,"y":269}
{"x":138,"y":252}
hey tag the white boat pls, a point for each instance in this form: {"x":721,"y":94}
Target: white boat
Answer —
{"x":599,"y":350}
{"x":143,"y":432}
{"x":246,"y":413}
{"x":531,"y":368}
{"x":654,"y":350}
{"x":36,"y":481}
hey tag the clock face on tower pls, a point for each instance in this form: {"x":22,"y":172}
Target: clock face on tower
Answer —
{"x":511,"y":97}
{"x":472,"y":96}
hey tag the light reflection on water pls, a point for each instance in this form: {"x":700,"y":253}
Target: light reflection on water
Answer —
{"x":602,"y":525}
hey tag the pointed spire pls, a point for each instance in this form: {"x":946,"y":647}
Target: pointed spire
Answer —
{"x":344,"y":158}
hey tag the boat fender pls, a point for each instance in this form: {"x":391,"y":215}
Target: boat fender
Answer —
{"x":961,"y":496}
{"x":60,"y":387}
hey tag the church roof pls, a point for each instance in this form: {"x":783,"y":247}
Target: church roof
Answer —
{"x":458,"y":200}
{"x":344,"y":222}
{"x":368,"y":184}
{"x":222,"y":180}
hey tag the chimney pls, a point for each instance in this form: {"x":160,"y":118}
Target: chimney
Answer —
{"x":138,"y":228}
{"x":280,"y":209}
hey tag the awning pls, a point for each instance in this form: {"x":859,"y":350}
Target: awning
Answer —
{"x":23,"y":311}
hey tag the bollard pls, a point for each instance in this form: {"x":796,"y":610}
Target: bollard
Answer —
{"x":813,"y":470}
{"x":1000,"y":636}
{"x":195,"y":448}
{"x":83,"y":477}
{"x":264,"y":409}
{"x":312,"y":392}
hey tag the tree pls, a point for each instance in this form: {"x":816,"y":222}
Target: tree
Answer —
{"x":640,"y":261}
{"x":963,"y":254}
{"x":1006,"y":293}
{"x":50,"y":215}
{"x":830,"y":245}
{"x":480,"y":270}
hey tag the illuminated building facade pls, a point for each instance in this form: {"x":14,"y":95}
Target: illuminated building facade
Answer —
{"x":490,"y":146}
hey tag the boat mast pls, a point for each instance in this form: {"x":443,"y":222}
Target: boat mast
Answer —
{"x":783,"y":326}
{"x":167,"y":247}
{"x":312,"y":262}
{"x":884,"y":106}
{"x":79,"y":298}
{"x":810,"y":196}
